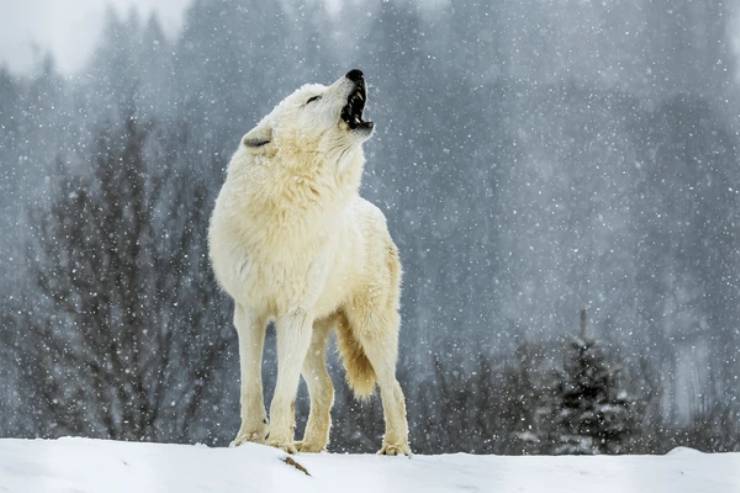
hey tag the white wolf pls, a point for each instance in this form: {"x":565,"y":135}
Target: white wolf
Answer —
{"x":291,"y":241}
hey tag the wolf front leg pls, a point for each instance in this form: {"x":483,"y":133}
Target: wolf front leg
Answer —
{"x":293,"y":338}
{"x":251,"y":331}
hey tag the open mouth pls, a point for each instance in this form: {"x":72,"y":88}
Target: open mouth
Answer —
{"x":352,"y":111}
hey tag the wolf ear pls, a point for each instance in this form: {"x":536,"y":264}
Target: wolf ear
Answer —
{"x":259,"y":136}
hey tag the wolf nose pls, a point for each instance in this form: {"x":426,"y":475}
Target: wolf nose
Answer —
{"x":355,"y":75}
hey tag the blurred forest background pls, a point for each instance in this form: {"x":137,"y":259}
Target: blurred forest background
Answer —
{"x":532,"y":158}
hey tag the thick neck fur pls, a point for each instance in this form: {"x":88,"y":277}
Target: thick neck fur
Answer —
{"x":290,"y":187}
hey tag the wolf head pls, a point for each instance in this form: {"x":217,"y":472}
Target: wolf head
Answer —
{"x":315,"y":120}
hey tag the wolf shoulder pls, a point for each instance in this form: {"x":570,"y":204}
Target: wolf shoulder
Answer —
{"x":370,"y":218}
{"x":368,"y":212}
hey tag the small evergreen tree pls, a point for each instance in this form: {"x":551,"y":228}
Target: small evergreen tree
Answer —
{"x":589,"y":412}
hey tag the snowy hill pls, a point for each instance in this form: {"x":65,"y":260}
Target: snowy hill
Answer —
{"x":85,"y":465}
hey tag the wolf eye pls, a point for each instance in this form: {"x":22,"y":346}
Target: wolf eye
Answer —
{"x":311,"y":100}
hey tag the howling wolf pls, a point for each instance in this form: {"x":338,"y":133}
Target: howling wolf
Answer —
{"x":292,"y":241}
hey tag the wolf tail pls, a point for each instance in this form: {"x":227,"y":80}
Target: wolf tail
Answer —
{"x":359,"y":371}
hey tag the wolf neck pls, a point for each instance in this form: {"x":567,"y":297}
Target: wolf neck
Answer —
{"x":297,"y":189}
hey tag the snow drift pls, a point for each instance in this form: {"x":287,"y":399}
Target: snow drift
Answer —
{"x":85,"y":465}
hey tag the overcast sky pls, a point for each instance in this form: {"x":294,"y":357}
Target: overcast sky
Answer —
{"x":68,"y":28}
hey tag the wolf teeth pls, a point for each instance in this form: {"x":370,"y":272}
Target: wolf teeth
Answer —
{"x":352,"y":112}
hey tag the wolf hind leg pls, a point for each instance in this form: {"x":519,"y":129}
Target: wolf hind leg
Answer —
{"x":320,"y":389}
{"x":377,"y":332}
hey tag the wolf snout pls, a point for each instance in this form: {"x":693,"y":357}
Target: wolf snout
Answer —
{"x":352,"y":111}
{"x":355,"y":75}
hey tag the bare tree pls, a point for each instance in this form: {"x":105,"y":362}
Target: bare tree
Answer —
{"x":125,"y":335}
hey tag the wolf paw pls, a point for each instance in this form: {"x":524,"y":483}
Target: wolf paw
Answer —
{"x":310,"y":447}
{"x":256,"y":436}
{"x":289,"y":447}
{"x":395,"y":449}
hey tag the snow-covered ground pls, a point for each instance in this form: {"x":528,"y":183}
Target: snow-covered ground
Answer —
{"x":83,"y":465}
